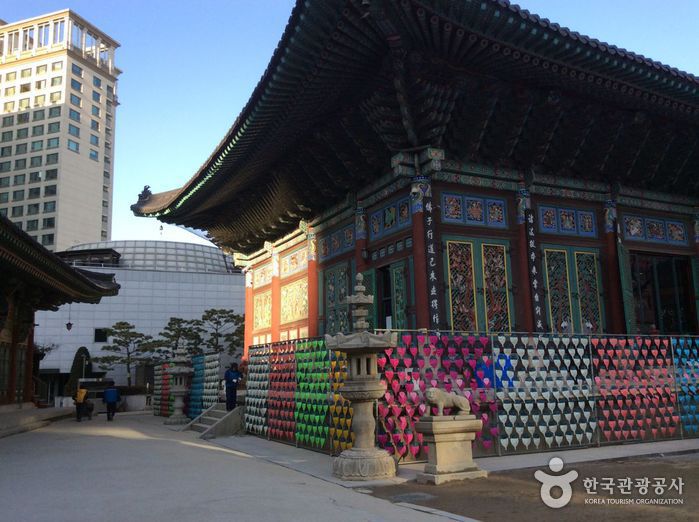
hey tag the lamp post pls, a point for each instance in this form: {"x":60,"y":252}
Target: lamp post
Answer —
{"x":364,"y":461}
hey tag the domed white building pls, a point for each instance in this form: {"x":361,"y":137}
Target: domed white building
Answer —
{"x":159,"y":280}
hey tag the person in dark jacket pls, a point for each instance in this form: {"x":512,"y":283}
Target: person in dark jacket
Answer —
{"x":232,"y":377}
{"x":111,"y":397}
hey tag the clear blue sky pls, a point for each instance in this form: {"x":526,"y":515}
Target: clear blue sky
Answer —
{"x":190,"y":67}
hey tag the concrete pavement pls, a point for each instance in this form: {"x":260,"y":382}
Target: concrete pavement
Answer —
{"x":137,"y":469}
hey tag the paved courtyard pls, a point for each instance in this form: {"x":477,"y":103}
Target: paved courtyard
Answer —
{"x":137,"y":469}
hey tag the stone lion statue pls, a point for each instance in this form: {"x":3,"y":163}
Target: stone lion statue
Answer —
{"x":442,"y":399}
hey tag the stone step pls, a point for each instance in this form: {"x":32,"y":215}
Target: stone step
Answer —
{"x":199,"y":427}
{"x":217,"y":413}
{"x":209,"y":421}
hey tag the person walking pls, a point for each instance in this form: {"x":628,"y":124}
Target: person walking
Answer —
{"x":111,"y":397}
{"x":232,"y":377}
{"x":80,"y":400}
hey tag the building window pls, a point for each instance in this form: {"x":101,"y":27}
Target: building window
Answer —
{"x":41,"y":69}
{"x":26,"y":73}
{"x":57,"y":66}
{"x":95,"y":111}
{"x":21,"y":164}
{"x":5,"y":151}
{"x":4,"y":197}
{"x":25,"y":87}
{"x":51,"y":174}
{"x":105,"y":203}
{"x":50,"y":190}
{"x":3,"y":212}
{"x":8,"y":121}
{"x":21,"y":148}
{"x":19,"y":179}
{"x":12,"y":47}
{"x":74,"y":115}
{"x":105,"y":219}
{"x":54,"y":112}
{"x":23,"y":118}
{"x":94,"y":140}
{"x":103,"y":235}
{"x":39,"y":84}
{"x":22,"y":133}
{"x":100,"y":335}
{"x":17,"y":211}
{"x":59,"y":36}
{"x":35,"y":161}
{"x":37,"y":145}
{"x":34,"y":177}
{"x":76,"y":85}
{"x":18,"y":195}
{"x":52,"y":158}
{"x":23,"y":104}
{"x":55,"y":97}
{"x":96,"y":97}
{"x":48,"y":223}
{"x":97,"y":82}
{"x":34,"y":193}
{"x":11,"y":76}
{"x":40,"y":100}
{"x":9,"y":106}
{"x":73,"y":130}
{"x":6,"y":136}
{"x":43,"y":38}
{"x":50,"y":206}
{"x":38,"y":130}
{"x":75,"y":100}
{"x":54,"y":126}
{"x":10,"y":91}
{"x":32,"y":225}
{"x":32,"y":209}
{"x":56,"y":80}
{"x":94,"y":125}
{"x":52,"y":143}
{"x":4,"y":167}
{"x":74,"y":146}
{"x":39,"y":115}
{"x":94,"y":155}
{"x":47,"y":239}
{"x":76,"y":69}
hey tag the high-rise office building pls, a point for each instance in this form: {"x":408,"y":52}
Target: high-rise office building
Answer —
{"x":58,"y":82}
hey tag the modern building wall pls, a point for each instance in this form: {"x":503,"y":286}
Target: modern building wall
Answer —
{"x":58,"y":84}
{"x":159,"y":280}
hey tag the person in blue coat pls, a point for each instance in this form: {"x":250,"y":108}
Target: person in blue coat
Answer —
{"x":111,"y":397}
{"x":232,"y":378}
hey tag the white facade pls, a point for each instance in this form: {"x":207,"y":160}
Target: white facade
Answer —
{"x":159,"y":280}
{"x":58,"y":98}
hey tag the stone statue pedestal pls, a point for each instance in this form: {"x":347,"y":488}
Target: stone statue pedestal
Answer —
{"x":364,"y":461}
{"x":449,"y":454}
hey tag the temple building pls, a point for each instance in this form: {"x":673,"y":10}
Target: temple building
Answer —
{"x":485,"y":169}
{"x":34,"y":279}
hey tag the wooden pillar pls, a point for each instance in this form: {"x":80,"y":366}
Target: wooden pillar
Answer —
{"x":524,"y":288}
{"x":361,"y":255}
{"x":276,"y":297}
{"x":29,"y":365}
{"x":249,"y":319}
{"x":13,"y":321}
{"x":420,"y":188}
{"x":615,"y":300}
{"x":312,"y":284}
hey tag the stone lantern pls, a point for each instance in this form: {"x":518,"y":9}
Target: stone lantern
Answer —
{"x":364,"y":461}
{"x":180,"y":369}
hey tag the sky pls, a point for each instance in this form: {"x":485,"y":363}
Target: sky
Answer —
{"x":189,"y":67}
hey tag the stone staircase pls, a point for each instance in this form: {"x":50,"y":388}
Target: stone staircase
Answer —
{"x":210,"y":417}
{"x":217,"y":422}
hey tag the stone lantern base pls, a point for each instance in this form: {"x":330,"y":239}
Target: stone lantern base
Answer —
{"x":449,"y":454}
{"x":364,"y":464}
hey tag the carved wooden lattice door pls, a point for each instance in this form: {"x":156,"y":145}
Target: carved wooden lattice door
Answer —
{"x":336,"y":287}
{"x":479,"y":291}
{"x":573,"y":290}
{"x":399,"y":295}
